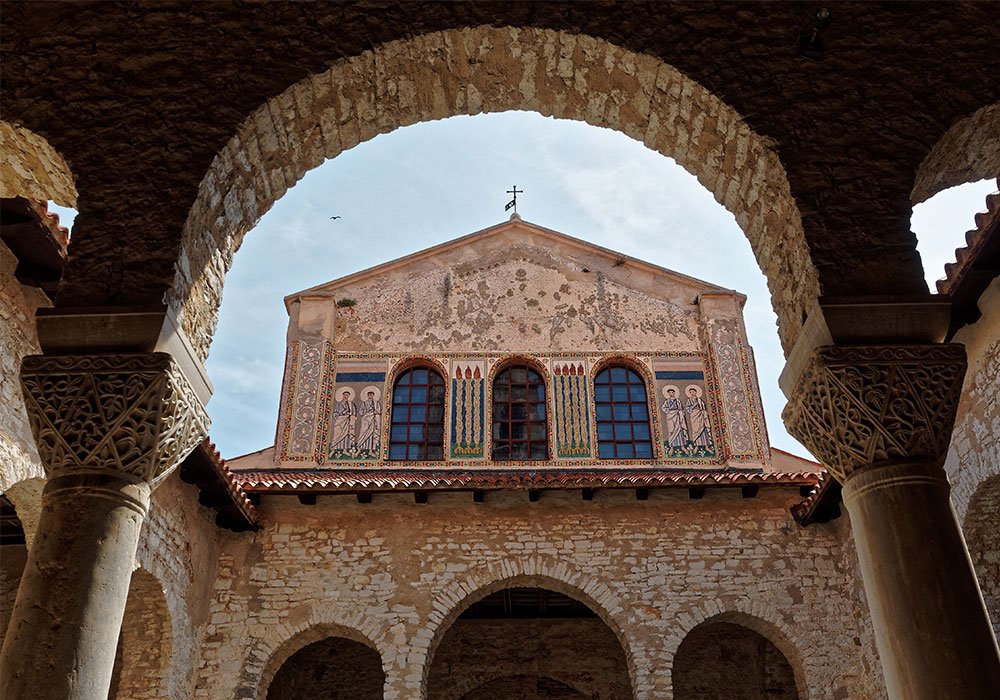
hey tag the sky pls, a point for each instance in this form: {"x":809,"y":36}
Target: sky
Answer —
{"x":431,"y":182}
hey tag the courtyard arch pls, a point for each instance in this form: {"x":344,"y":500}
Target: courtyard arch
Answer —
{"x":30,"y":167}
{"x":528,"y":642}
{"x":335,"y":667}
{"x":322,"y":660}
{"x":490,"y":69}
{"x":145,"y":643}
{"x":968,"y":151}
{"x":734,"y":656}
{"x":536,"y":574}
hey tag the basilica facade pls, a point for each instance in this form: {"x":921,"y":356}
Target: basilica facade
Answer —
{"x":421,"y":555}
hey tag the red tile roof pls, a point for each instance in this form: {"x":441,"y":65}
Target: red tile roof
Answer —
{"x":350,"y":481}
{"x":975,"y":240}
{"x":206,"y":469}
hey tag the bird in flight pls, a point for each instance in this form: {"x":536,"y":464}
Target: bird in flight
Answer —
{"x":334,"y":217}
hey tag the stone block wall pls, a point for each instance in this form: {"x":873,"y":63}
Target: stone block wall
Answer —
{"x":18,"y":456}
{"x":396,"y":575}
{"x":479,"y":70}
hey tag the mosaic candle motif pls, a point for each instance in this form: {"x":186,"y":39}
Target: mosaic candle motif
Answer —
{"x":356,"y":412}
{"x":467,"y":410}
{"x":684,"y":412}
{"x":570,"y":396}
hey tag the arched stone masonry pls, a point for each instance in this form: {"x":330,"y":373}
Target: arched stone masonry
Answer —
{"x":145,"y":647}
{"x":30,"y":167}
{"x":763,"y":621}
{"x":178,"y":547}
{"x":490,"y":69}
{"x":257,"y":678}
{"x":969,"y":151}
{"x":538,"y":572}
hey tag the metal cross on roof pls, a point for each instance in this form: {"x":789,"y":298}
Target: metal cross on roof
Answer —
{"x":513,"y":202}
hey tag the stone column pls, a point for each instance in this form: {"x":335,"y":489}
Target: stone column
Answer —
{"x":880,"y":418}
{"x":108,"y":428}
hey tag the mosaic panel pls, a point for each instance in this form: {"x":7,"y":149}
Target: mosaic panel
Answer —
{"x":468,"y":404}
{"x":733,"y":367}
{"x":571,"y":405}
{"x":350,"y":398}
{"x":684,"y":401}
{"x":357,"y":411}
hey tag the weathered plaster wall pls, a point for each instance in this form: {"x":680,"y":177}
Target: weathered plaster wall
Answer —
{"x":490,"y":69}
{"x":582,"y":654}
{"x":974,"y":454}
{"x":18,"y":456}
{"x":513,"y":289}
{"x":973,"y":461}
{"x":398,"y":574}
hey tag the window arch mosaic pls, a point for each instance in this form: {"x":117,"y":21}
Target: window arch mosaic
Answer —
{"x":416,"y":430}
{"x":621,"y":407}
{"x":519,"y":423}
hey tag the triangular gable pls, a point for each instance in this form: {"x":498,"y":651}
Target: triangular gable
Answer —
{"x":513,"y":226}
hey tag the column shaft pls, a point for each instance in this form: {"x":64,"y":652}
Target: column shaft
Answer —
{"x":931,"y":626}
{"x":64,"y":627}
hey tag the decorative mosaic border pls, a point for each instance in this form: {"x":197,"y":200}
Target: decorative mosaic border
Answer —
{"x":492,"y":361}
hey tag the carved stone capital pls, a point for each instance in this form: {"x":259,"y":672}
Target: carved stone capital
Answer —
{"x":135,"y":414}
{"x":858,"y":406}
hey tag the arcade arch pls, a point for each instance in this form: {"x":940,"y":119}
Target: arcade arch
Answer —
{"x":325,"y":649}
{"x":734,"y":656}
{"x":535,"y":575}
{"x":532,"y":642}
{"x":334,"y":667}
{"x":490,"y":69}
{"x":145,"y":643}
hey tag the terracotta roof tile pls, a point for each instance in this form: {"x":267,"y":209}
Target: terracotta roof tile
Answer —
{"x":974,"y":241}
{"x":349,"y":481}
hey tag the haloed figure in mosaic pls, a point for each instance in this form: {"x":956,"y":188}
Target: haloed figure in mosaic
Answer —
{"x":673,"y":409}
{"x":697,"y":419}
{"x":345,"y":413}
{"x":370,"y":429}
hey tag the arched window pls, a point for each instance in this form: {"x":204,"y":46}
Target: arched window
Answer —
{"x":519,"y":428}
{"x":417,"y":428}
{"x":622,"y":415}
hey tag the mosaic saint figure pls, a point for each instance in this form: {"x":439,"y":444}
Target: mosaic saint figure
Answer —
{"x":673,"y":409}
{"x":370,"y":429}
{"x":345,"y":413}
{"x":697,"y":418}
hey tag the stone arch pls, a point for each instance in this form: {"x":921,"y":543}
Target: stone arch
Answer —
{"x":512,"y":686}
{"x":284,"y":639}
{"x":30,"y":167}
{"x":491,"y":69}
{"x":537,"y":572}
{"x":143,"y":662}
{"x":982,"y":535}
{"x":763,"y":620}
{"x":969,"y":151}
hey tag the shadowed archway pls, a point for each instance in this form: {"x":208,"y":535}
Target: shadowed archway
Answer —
{"x":721,"y":659}
{"x":531,"y":643}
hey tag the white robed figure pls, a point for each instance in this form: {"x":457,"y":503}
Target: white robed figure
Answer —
{"x":673,"y":409}
{"x":370,"y":429}
{"x":697,"y":418}
{"x":345,"y":414}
